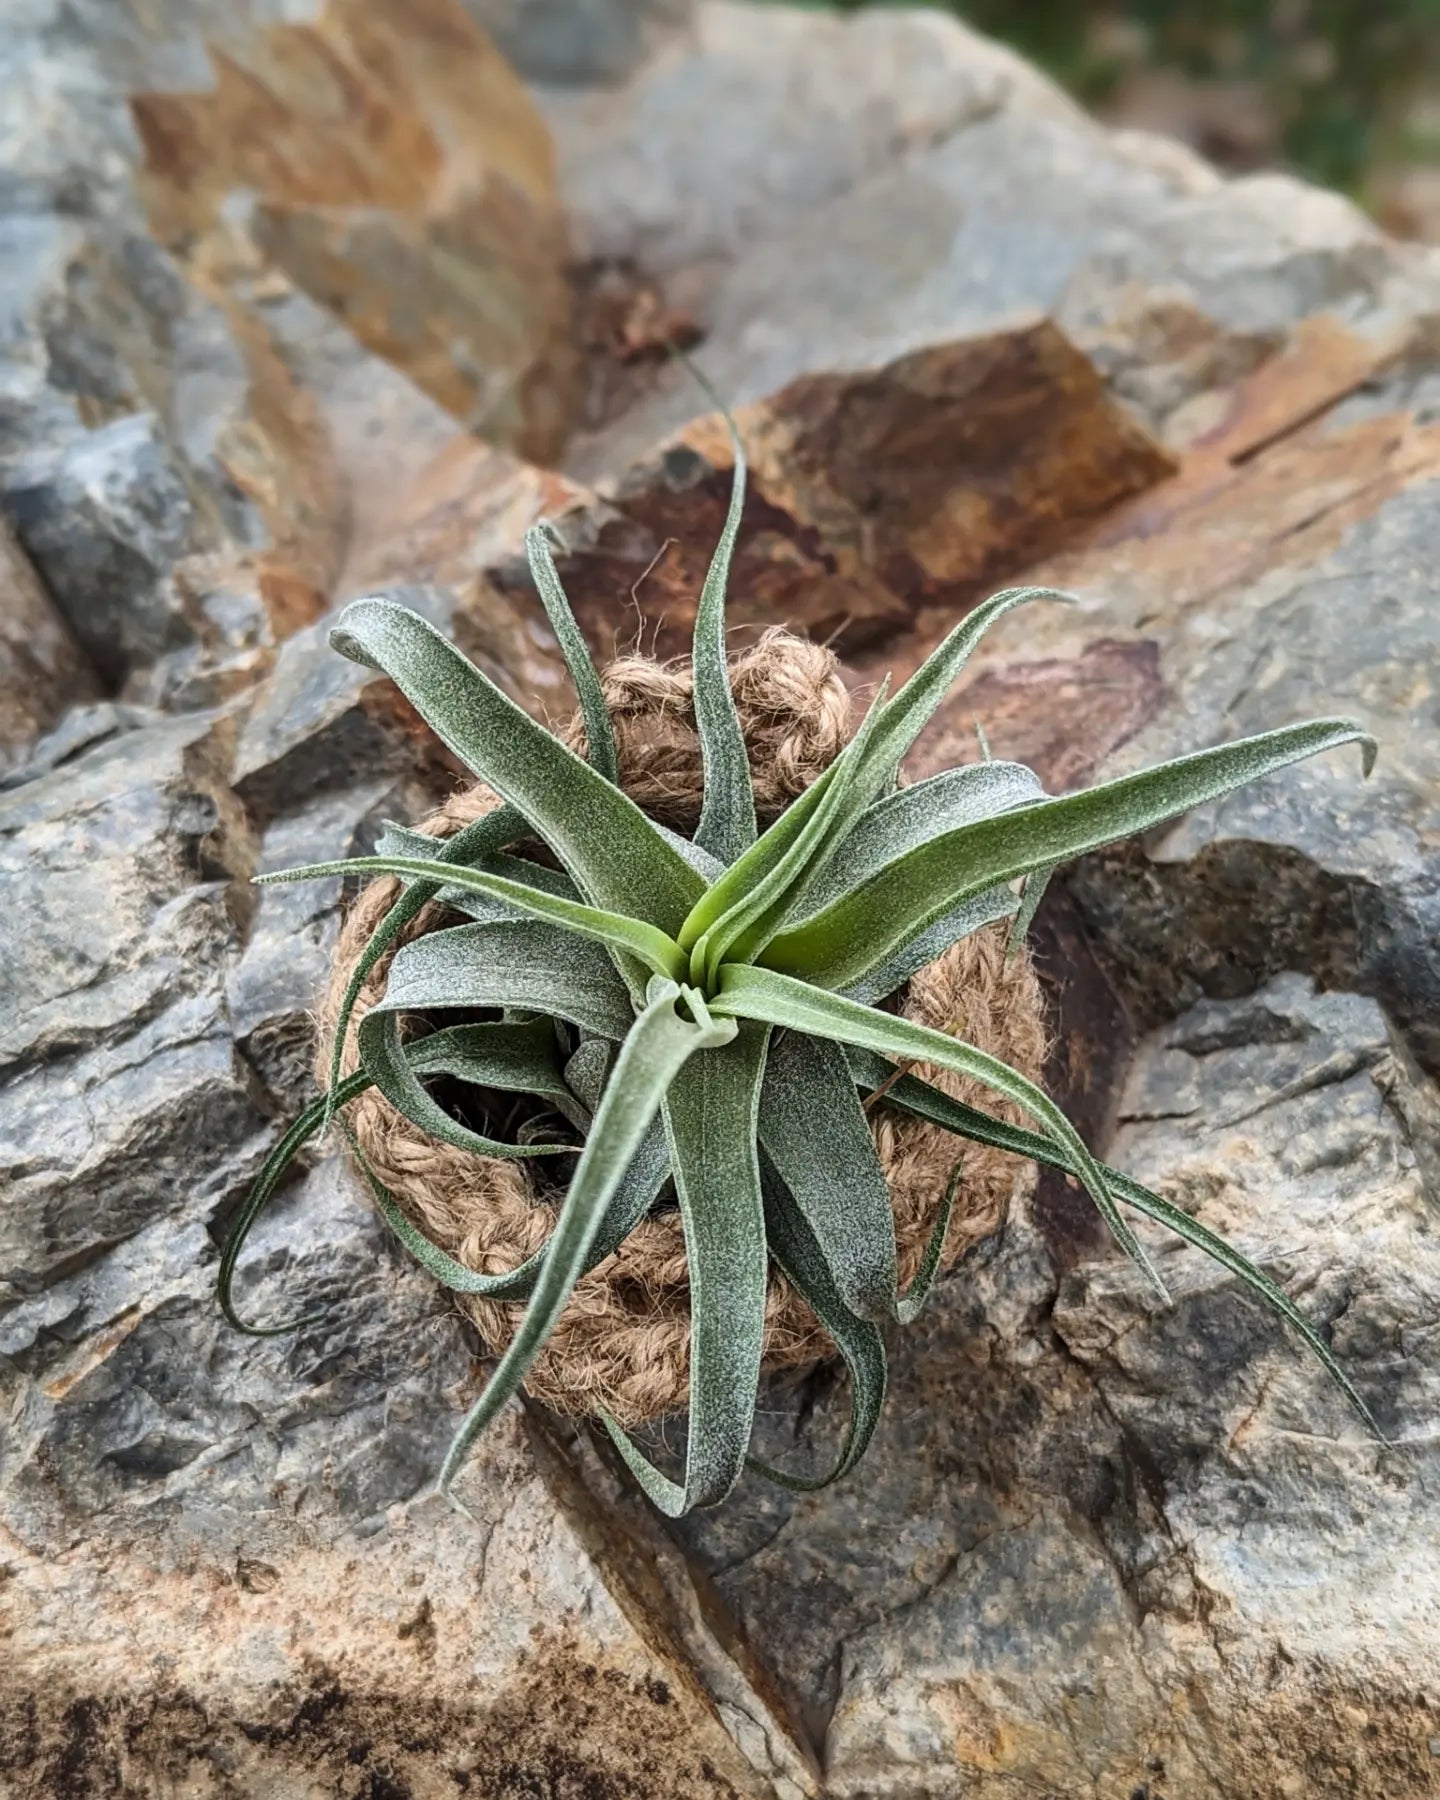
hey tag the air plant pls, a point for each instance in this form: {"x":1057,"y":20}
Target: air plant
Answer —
{"x":707,"y":1012}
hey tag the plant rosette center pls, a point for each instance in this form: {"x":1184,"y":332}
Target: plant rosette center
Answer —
{"x":706,"y":1013}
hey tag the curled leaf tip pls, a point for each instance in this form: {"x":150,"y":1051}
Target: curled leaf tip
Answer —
{"x":351,"y":644}
{"x":446,"y":1491}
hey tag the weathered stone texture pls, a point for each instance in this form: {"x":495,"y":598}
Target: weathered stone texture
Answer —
{"x":43,"y":672}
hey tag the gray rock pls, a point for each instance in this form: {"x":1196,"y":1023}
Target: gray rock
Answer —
{"x":1098,"y":1547}
{"x":1312,"y":869}
{"x":797,"y":113}
{"x":320,"y":722}
{"x":275,"y":1491}
{"x":80,"y":728}
{"x":1081,"y":1505}
{"x":105,"y":521}
{"x":42,"y":669}
{"x":942,"y":186}
{"x":117,"y":1057}
{"x":115,"y":871}
{"x":577,"y":42}
{"x":277,"y":982}
{"x":126,"y":401}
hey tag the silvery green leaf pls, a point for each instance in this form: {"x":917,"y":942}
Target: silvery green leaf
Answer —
{"x":513,"y":1061}
{"x":709,"y":867}
{"x":762,"y":856}
{"x":895,"y":825}
{"x":273,"y":1169}
{"x":630,"y":1202}
{"x":750,"y":993}
{"x":814,"y":1132}
{"x":750,"y":921}
{"x":399,"y":841}
{"x":908,"y":1307}
{"x":890,"y":976}
{"x":1030,"y":898}
{"x":449,"y":1050}
{"x":898,"y":723}
{"x":474,"y":842}
{"x":710,"y":1117}
{"x":608,"y":846}
{"x":527,"y":964}
{"x":599,"y":733}
{"x":891,"y":827}
{"x":859,"y":1342}
{"x":657,"y":1048}
{"x":631,"y":936}
{"x":907,"y":715}
{"x":727,"y":814}
{"x":836,"y":947}
{"x":588,"y":1069}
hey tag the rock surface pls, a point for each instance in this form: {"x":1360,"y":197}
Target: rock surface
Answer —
{"x":43,"y":672}
{"x":1099,"y":1548}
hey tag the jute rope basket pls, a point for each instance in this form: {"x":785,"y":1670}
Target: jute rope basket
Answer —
{"x":623,"y":1342}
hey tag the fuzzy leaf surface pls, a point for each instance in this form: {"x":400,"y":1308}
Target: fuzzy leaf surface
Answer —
{"x":837,"y":946}
{"x":447,"y":1051}
{"x":658,"y":1046}
{"x":889,"y":976}
{"x":522,"y":964}
{"x":751,"y":993}
{"x":659,"y":953}
{"x":711,"y":1112}
{"x":907,"y":715}
{"x":613,"y":852}
{"x":859,"y":1341}
{"x":727,"y":812}
{"x":473,"y":843}
{"x":814,"y":1132}
{"x":599,"y":732}
{"x":512,"y":1059}
{"x":891,"y":827}
{"x":752,"y":920}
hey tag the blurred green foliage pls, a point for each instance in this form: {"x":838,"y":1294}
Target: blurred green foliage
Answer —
{"x":1337,"y":76}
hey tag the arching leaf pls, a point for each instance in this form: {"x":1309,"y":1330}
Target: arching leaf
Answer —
{"x":613,"y":852}
{"x":839,"y":945}
{"x":658,"y":1046}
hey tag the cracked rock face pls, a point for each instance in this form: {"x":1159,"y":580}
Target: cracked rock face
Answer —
{"x":1145,"y":1543}
{"x":1100,"y":1547}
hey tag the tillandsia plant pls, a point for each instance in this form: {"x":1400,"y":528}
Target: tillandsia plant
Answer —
{"x":709,"y":1012}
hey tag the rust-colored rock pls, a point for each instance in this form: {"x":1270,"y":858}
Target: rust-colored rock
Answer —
{"x":430,"y":1654}
{"x":872,"y":494}
{"x":401,"y":177}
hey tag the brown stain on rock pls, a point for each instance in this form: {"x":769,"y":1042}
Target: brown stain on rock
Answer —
{"x":1062,"y":716}
{"x":403,"y":178}
{"x":1275,"y":483}
{"x":959,"y":463}
{"x":281,"y":457}
{"x":871,"y":494}
{"x":569,"y":1727}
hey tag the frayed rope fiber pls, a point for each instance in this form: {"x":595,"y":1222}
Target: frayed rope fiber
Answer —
{"x":623,"y":1342}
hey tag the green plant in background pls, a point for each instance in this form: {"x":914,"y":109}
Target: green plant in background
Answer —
{"x":1333,"y":75}
{"x":708,"y":1013}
